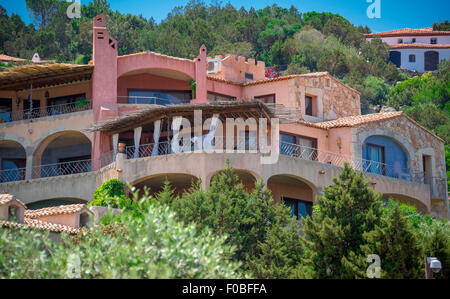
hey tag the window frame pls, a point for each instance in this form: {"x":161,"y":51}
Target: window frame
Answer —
{"x":285,"y":200}
{"x":412,"y":58}
{"x":263,"y":97}
{"x":433,"y":41}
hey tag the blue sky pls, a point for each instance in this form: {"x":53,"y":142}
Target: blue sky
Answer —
{"x":395,"y":14}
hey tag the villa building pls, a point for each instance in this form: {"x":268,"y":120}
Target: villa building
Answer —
{"x":66,"y":129}
{"x":418,"y":50}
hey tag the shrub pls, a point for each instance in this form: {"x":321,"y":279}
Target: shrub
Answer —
{"x":110,"y":194}
{"x":145,"y":241}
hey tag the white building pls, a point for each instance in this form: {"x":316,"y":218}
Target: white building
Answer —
{"x":416,"y":49}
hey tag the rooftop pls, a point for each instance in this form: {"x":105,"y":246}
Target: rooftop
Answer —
{"x":9,"y":58}
{"x":418,"y":46}
{"x":42,"y":75}
{"x":7,"y":198}
{"x":42,"y":225}
{"x":408,"y":32}
{"x":53,"y":211}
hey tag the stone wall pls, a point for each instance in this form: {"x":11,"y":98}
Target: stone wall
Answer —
{"x":416,"y":141}
{"x":334,"y":99}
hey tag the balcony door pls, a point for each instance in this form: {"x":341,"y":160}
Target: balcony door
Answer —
{"x":376,"y":159}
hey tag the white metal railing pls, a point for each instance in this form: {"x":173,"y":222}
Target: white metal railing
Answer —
{"x":12,"y":175}
{"x":153,"y":100}
{"x":43,"y":112}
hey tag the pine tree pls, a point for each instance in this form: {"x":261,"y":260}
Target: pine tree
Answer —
{"x":266,"y":238}
{"x":334,"y":235}
{"x":397,"y":244}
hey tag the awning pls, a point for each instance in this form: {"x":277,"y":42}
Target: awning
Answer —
{"x":21,"y":77}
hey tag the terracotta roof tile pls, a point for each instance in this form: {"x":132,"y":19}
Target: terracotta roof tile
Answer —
{"x":282,"y":78}
{"x":408,"y":32}
{"x":418,"y":46}
{"x":6,"y":198}
{"x":9,"y":58}
{"x":53,"y":211}
{"x":355,"y":120}
{"x":38,"y":224}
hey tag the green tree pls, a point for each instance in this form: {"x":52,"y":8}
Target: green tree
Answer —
{"x":41,"y":11}
{"x":110,"y":194}
{"x":266,"y":238}
{"x":334,"y":234}
{"x":397,"y":244}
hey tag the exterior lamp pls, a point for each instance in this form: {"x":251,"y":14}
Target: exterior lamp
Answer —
{"x":432,"y":265}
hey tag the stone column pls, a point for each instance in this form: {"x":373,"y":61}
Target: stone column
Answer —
{"x":29,"y":167}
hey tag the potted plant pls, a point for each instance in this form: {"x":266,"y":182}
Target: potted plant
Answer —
{"x":2,"y":120}
{"x":81,"y":104}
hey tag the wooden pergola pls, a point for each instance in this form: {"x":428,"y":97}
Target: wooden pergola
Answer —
{"x":246,"y":109}
{"x":37,"y":76}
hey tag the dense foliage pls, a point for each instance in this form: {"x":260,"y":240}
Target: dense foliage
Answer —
{"x":266,"y":238}
{"x":110,"y":194}
{"x":145,"y":241}
{"x":334,"y":235}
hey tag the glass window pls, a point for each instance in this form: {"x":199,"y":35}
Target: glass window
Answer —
{"x":159,"y":97}
{"x":299,"y":208}
{"x":216,"y":97}
{"x":413,"y":40}
{"x":375,"y":157}
{"x":268,"y":99}
{"x":400,"y":41}
{"x":298,"y":146}
{"x":309,"y":105}
{"x":433,"y":41}
{"x":412,"y":58}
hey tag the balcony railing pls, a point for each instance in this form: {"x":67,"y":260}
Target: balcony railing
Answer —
{"x":153,"y":100}
{"x":438,"y":185}
{"x":12,"y":175}
{"x":43,"y":112}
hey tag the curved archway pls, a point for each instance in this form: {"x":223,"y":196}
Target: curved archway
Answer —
{"x":246,"y":177}
{"x":387,"y":156}
{"x":181,"y":182}
{"x":62,"y":153}
{"x":421,"y":208}
{"x":54,"y":202}
{"x":154,"y":86}
{"x":13,"y":159}
{"x":294,"y":191}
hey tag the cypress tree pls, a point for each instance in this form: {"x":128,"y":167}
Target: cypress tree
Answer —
{"x":334,"y":234}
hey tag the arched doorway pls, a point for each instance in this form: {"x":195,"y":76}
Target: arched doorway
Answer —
{"x":431,"y":61}
{"x":294,"y":192}
{"x":180,"y":182}
{"x":396,"y":58}
{"x":12,"y":161}
{"x":63,"y":153}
